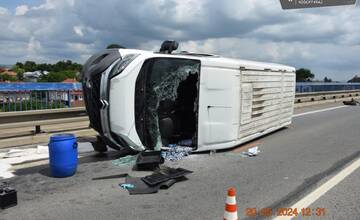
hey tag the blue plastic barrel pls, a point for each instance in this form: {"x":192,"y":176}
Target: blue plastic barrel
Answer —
{"x":63,"y":155}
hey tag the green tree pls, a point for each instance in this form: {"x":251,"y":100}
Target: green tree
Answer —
{"x":57,"y":76}
{"x":59,"y":71}
{"x":327,"y":79}
{"x":43,"y":67}
{"x":304,"y":75}
{"x":20,"y":65}
{"x":30,"y":66}
{"x":19,"y":71}
{"x":20,"y":76}
{"x":355,"y":79}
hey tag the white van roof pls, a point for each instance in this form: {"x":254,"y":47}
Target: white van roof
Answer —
{"x":212,"y":60}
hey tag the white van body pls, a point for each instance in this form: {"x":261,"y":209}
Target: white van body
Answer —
{"x":238,"y":100}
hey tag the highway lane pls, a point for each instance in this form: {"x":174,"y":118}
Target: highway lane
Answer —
{"x":342,"y":202}
{"x":292,"y":163}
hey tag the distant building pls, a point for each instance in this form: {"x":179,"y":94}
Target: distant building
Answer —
{"x":70,"y":80}
{"x":77,"y":97}
{"x":6,"y":71}
{"x":34,"y":76}
{"x":10,"y":73}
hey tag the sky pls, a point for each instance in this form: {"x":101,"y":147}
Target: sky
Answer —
{"x":325,"y":40}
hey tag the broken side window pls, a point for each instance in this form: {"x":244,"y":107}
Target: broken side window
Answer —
{"x":166,"y":101}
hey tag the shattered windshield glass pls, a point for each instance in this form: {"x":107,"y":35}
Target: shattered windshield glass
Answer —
{"x":162,"y":85}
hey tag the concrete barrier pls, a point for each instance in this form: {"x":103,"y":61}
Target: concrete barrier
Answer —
{"x":313,"y":98}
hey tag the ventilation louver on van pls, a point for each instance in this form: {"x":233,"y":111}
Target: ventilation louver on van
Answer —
{"x":267,"y":100}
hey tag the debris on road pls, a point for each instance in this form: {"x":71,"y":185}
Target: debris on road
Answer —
{"x":163,"y":178}
{"x":39,"y":150}
{"x":42,"y":149}
{"x":15,"y":153}
{"x":351,"y":102}
{"x":139,"y":186}
{"x":149,"y":160}
{"x":251,"y":152}
{"x":111,"y":177}
{"x":18,"y":156}
{"x":5,"y":170}
{"x":175,"y":152}
{"x":127,"y":186}
{"x":127,"y":160}
{"x":8,"y":196}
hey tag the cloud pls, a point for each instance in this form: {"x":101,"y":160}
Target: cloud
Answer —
{"x":327,"y":40}
{"x":3,"y":11}
{"x":21,"y":10}
{"x":79,"y":31}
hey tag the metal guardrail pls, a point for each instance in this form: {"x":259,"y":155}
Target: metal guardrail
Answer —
{"x":48,"y":114}
{"x":323,"y":96}
{"x":36,"y":118}
{"x":33,"y":127}
{"x":306,"y":87}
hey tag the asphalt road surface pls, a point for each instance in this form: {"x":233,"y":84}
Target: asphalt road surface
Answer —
{"x":293,"y":163}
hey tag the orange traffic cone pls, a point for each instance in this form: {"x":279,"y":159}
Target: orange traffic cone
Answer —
{"x":230,"y":206}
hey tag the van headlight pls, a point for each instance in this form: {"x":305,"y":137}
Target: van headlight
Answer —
{"x":123,"y":63}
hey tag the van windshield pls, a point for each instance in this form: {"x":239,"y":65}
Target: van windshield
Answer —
{"x":166,"y":101}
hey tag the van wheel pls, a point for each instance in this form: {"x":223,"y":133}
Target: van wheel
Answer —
{"x":99,"y":145}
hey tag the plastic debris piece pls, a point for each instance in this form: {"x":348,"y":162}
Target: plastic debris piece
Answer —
{"x":127,"y":160}
{"x":16,"y":153}
{"x":141,"y":187}
{"x":155,"y":179}
{"x":175,"y":152}
{"x":5,"y":170}
{"x":42,"y":149}
{"x":174,"y":173}
{"x":149,"y":160}
{"x":18,"y":156}
{"x":251,"y":152}
{"x":127,"y":186}
{"x":123,"y":175}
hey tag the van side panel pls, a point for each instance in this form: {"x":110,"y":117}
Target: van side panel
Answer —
{"x":218,"y":106}
{"x":251,"y":103}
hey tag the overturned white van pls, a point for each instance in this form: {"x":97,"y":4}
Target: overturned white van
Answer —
{"x":142,"y":100}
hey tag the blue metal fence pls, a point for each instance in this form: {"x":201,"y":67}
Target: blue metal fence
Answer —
{"x":322,"y":87}
{"x":36,"y":96}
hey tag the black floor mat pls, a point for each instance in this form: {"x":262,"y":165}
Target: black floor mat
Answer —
{"x":140,"y":187}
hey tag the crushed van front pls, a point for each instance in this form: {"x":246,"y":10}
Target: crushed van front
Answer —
{"x":96,"y":80}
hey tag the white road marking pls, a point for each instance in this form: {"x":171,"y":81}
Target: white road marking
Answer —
{"x":320,"y":191}
{"x":321,"y":110}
